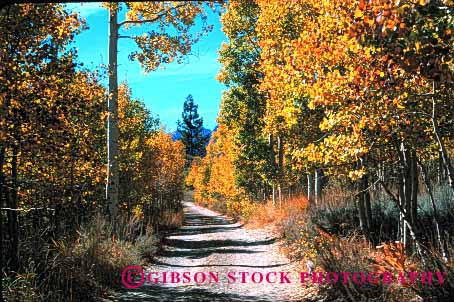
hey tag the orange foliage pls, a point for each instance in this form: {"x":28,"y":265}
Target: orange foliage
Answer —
{"x":213,"y":176}
{"x":392,"y":258}
{"x":151,"y":163}
{"x":266,"y":213}
{"x":167,"y":159}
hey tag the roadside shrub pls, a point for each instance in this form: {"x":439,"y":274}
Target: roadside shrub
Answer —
{"x":440,"y":293}
{"x":329,"y":235}
{"x":85,"y":269}
{"x":354,"y":254}
{"x":341,"y":218}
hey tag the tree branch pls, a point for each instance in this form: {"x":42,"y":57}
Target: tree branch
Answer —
{"x":126,"y":37}
{"x":159,"y":15}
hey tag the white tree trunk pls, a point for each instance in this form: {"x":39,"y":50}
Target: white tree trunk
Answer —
{"x":112,"y":119}
{"x":443,"y":151}
{"x":310,"y":188}
{"x":440,"y":239}
{"x":280,"y":150}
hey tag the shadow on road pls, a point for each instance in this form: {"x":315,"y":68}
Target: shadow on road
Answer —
{"x":187,"y":244}
{"x":180,"y":294}
{"x":221,"y":265}
{"x":201,"y":230}
{"x":196,"y":224}
{"x":196,"y":253}
{"x":201,"y":220}
{"x":174,"y":250}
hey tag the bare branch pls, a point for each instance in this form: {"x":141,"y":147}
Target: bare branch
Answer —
{"x":127,"y":37}
{"x":368,"y":188}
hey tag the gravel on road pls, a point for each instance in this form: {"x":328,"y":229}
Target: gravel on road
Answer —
{"x":210,"y":245}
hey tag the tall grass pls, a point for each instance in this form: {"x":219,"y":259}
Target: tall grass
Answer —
{"x":267,"y":213}
{"x":87,"y":267}
{"x":172,"y":219}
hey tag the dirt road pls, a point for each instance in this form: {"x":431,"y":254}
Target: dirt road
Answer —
{"x":209,"y":242}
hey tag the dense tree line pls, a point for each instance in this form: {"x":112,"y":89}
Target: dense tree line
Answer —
{"x":53,"y":140}
{"x":353,"y":91}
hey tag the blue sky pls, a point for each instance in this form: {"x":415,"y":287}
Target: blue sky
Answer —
{"x":165,"y":89}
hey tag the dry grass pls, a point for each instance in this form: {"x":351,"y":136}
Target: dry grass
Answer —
{"x":335,"y":195}
{"x":172,"y":220}
{"x":87,"y":267}
{"x":266,"y":214}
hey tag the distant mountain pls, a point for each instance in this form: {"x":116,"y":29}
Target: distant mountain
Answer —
{"x":177,"y":135}
{"x":207,"y":132}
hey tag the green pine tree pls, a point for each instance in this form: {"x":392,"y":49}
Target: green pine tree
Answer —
{"x":191,"y":130}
